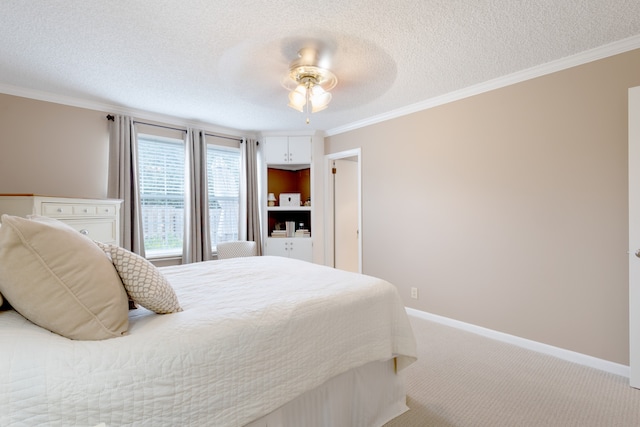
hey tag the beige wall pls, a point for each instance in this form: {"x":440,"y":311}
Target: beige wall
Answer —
{"x":52,"y":149}
{"x":508,"y":209}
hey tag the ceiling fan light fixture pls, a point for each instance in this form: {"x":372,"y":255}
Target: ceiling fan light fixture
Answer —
{"x":320,"y":101}
{"x":317,"y":91}
{"x":308,"y":83}
{"x":298,"y":98}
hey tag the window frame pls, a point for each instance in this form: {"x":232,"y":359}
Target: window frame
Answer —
{"x":229,"y":145}
{"x":174,"y":136}
{"x":170,"y":252}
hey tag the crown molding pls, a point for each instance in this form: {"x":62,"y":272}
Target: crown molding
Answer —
{"x":114,"y":109}
{"x":56,"y":98}
{"x":585,"y":57}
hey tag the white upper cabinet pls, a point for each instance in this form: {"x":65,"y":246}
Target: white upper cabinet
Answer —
{"x":287,"y":150}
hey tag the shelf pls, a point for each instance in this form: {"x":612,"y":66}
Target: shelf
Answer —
{"x":278,"y":217}
{"x":288,"y":208}
{"x":294,"y":237}
{"x":280,"y":181}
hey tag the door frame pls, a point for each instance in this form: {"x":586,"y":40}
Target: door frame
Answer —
{"x":634,"y":236}
{"x":329,"y":210}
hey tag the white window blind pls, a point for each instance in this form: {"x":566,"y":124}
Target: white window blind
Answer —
{"x":161,"y":180}
{"x":223,"y":182}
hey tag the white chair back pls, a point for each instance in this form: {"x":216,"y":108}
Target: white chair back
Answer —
{"x":241,"y":248}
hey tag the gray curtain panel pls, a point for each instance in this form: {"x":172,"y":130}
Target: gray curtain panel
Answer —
{"x":250,"y":224}
{"x":123,"y":180}
{"x":197,"y":236}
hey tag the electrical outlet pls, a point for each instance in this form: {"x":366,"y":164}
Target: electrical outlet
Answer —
{"x":414,"y":293}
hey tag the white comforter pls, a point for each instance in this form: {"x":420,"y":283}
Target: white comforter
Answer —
{"x":255,"y":333}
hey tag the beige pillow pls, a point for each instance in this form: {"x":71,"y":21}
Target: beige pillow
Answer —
{"x":144,"y":283}
{"x":58,"y":279}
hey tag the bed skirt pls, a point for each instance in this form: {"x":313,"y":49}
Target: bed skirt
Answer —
{"x":368,"y":396}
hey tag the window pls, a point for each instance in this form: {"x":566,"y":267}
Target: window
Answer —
{"x":223,"y":176}
{"x":161,"y":168}
{"x":161,"y":163}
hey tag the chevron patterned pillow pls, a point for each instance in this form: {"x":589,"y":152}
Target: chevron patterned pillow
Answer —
{"x":142,"y":280}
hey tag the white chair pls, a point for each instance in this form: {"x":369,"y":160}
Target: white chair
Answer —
{"x":241,"y":248}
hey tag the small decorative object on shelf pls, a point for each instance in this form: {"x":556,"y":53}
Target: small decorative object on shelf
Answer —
{"x":308,"y":201}
{"x":289,"y":199}
{"x":290,"y":227}
{"x":302,"y":233}
{"x":271,"y":199}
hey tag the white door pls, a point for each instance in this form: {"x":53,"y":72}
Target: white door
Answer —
{"x":345,"y":202}
{"x":634,"y":236}
{"x":334,"y":218}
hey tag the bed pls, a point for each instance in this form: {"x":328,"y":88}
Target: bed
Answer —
{"x":258,"y":341}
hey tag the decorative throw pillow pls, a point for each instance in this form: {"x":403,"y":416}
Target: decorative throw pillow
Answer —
{"x":58,"y":279}
{"x":144,"y":283}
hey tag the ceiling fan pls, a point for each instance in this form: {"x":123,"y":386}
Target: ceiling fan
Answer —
{"x":309,"y":83}
{"x":357,"y":69}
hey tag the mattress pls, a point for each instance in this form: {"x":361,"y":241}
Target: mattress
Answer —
{"x":254,"y":334}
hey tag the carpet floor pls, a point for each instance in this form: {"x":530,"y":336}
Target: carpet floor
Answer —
{"x":465,"y":380}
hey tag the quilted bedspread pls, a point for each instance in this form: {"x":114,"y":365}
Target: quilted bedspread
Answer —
{"x":254,"y":334}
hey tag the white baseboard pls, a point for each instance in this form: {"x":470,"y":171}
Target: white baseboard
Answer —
{"x":568,"y":355}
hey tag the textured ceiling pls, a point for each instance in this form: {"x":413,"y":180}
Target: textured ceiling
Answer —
{"x":221,"y":62}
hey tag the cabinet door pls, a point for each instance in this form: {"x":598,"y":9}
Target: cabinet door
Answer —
{"x":277,"y":247}
{"x":299,"y":150}
{"x":301,"y":248}
{"x":276,"y":150}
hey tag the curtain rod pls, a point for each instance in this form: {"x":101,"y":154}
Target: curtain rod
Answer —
{"x":135,"y":122}
{"x":225,"y":137}
{"x":111,"y":117}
